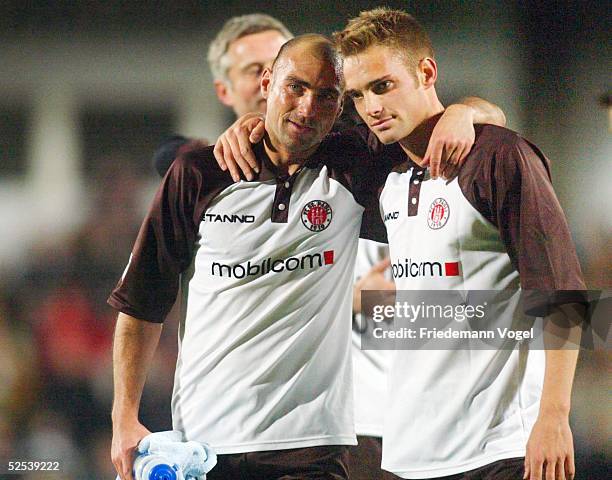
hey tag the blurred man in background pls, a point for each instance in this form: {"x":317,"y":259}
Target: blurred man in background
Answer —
{"x":237,"y":57}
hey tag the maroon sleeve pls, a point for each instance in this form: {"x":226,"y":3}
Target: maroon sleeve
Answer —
{"x":508,"y":180}
{"x":167,"y":238}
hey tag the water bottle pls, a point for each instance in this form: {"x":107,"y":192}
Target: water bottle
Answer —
{"x":156,"y":467}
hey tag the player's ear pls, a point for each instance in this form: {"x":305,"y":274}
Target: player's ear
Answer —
{"x":224,"y":93}
{"x":427,"y":72}
{"x":266,"y":80}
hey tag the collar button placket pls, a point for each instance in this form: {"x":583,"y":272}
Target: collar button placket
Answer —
{"x":414,"y":191}
{"x":282,"y":199}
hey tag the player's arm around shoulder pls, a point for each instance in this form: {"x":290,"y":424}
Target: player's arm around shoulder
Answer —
{"x":454,"y":134}
{"x":233,"y":149}
{"x":134,"y":345}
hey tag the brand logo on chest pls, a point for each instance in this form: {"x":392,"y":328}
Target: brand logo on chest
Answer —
{"x":438,"y":214}
{"x":306,"y":262}
{"x":223,"y":218}
{"x":409,"y":268}
{"x":391,"y":216}
{"x":316,"y":215}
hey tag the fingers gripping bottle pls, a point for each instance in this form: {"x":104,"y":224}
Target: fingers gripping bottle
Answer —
{"x":156,"y":467}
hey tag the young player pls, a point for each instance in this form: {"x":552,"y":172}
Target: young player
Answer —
{"x":468,"y":414}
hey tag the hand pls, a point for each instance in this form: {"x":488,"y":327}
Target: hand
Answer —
{"x":550,"y":448}
{"x":123,"y":448}
{"x":233,"y":148}
{"x":373,"y":280}
{"x":451,"y":141}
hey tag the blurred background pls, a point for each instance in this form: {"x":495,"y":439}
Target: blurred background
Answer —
{"x":89,"y":89}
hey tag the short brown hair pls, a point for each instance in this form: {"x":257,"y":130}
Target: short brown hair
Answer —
{"x":390,"y":28}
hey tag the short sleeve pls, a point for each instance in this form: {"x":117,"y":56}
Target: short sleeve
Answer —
{"x":516,"y":189}
{"x":164,"y":246}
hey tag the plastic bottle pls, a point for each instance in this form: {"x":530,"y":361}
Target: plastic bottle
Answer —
{"x":156,"y":467}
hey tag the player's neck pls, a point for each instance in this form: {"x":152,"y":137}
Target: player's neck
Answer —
{"x":286,"y":161}
{"x":415,"y":144}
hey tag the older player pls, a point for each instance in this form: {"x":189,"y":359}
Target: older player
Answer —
{"x":264,"y":366}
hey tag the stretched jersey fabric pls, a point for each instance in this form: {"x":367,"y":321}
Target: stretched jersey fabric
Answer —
{"x":497,"y":226}
{"x":266,"y":270}
{"x":369,"y":366}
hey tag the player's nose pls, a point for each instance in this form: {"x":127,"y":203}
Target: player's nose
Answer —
{"x":373,"y":107}
{"x":307,"y":105}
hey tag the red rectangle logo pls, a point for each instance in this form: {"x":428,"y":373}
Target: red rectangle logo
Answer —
{"x":328,"y":255}
{"x":451,"y":269}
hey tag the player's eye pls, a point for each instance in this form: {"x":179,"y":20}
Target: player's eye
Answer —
{"x":355,"y":95}
{"x":295,"y":88}
{"x":382,"y":87}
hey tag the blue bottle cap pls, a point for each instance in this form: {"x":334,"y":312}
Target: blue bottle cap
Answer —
{"x":162,"y":472}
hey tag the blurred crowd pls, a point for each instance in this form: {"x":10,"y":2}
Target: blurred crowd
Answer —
{"x":56,"y":337}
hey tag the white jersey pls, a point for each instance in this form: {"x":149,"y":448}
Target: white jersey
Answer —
{"x":266,"y":270}
{"x":369,"y":366}
{"x":453,"y":411}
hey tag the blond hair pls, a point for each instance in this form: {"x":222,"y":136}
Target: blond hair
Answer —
{"x":394,"y":29}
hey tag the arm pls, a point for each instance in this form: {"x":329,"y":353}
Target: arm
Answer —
{"x":147,"y":290}
{"x":233,"y":149}
{"x":515,"y":181}
{"x":550,"y":446}
{"x":483,"y":111}
{"x":134,"y":345}
{"x":450,"y":142}
{"x":454,"y":135}
{"x":374,"y":279}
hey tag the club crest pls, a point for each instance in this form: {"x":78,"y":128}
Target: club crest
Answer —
{"x":316,"y":215}
{"x":438,"y":214}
